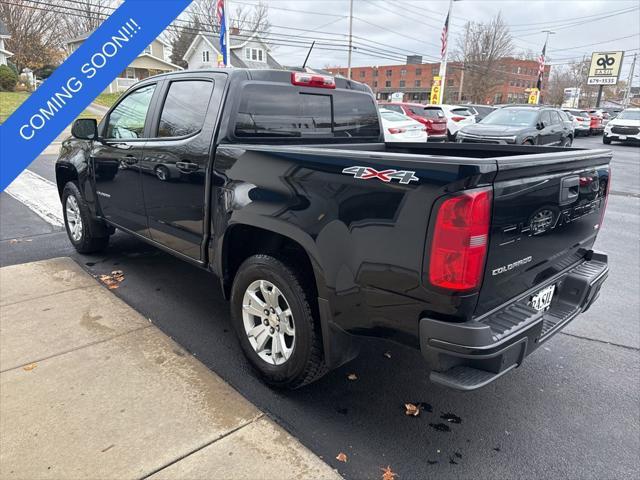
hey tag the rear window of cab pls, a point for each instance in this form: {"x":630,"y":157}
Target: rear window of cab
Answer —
{"x":282,"y":112}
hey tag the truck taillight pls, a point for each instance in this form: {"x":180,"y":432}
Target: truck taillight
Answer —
{"x":460,"y":240}
{"x":312,"y":80}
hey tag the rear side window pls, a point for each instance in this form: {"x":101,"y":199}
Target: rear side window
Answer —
{"x":184,"y":108}
{"x":419,"y":111}
{"x":283,"y":112}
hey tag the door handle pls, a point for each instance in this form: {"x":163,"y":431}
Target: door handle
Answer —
{"x":569,"y":189}
{"x":130,"y":160}
{"x":187,"y":167}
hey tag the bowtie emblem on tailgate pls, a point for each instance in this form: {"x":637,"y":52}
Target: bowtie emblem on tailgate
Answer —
{"x":367,"y":173}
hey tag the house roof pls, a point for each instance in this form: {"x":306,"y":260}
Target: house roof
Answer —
{"x":4,"y":31}
{"x":236,"y":59}
{"x":158,"y":59}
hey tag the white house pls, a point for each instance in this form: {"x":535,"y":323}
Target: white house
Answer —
{"x":4,"y":34}
{"x":247,"y":50}
{"x":154,"y":59}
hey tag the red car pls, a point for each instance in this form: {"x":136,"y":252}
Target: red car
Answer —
{"x":596,"y":127}
{"x":433,"y":119}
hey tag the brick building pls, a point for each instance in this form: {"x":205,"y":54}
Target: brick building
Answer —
{"x":414,"y":80}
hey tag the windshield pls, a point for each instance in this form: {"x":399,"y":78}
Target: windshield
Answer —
{"x":434,"y":113}
{"x":629,"y":115}
{"x":393,"y":116}
{"x":511,"y":116}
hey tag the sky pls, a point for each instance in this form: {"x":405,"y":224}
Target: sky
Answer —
{"x":385,"y":31}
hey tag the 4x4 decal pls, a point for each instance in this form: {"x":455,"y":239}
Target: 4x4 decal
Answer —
{"x":367,"y":173}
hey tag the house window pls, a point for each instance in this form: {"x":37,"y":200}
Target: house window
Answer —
{"x":247,"y":54}
{"x":362,"y":73}
{"x":417,"y":83}
{"x":375,"y":73}
{"x":402,"y":83}
{"x":255,"y":54}
{"x":375,"y":84}
{"x":205,"y":56}
{"x":450,"y":82}
{"x":147,"y":49}
{"x":435,"y":70}
{"x":418,"y":71}
{"x":387,"y":83}
{"x":403,"y":72}
{"x":388,"y":73}
{"x":129,"y":73}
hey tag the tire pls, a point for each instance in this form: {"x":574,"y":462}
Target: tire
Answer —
{"x":566,"y":142}
{"x":606,"y":140}
{"x":451,"y":137}
{"x":304,"y":362}
{"x":162,"y":173}
{"x":528,"y":142}
{"x":79,"y":223}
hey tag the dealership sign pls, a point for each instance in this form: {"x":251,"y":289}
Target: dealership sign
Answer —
{"x":605,"y":68}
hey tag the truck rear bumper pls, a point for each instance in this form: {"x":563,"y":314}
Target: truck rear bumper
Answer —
{"x":466,"y":356}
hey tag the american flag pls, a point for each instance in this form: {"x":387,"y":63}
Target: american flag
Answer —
{"x":443,"y":37}
{"x":220,"y":15}
{"x":541,"y":60}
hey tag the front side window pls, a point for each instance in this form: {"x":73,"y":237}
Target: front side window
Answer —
{"x":184,"y":108}
{"x":545,"y":118}
{"x":126,"y":121}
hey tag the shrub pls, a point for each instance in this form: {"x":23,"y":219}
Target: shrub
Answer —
{"x":8,"y":79}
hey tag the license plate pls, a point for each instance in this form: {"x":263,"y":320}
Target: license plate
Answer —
{"x":541,"y":300}
{"x":622,"y":137}
{"x":413,"y":133}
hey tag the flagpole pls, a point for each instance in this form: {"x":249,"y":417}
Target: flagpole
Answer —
{"x":544,"y":51}
{"x":226,"y":33}
{"x":443,"y":61}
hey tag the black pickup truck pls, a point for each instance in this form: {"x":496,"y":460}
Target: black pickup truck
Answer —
{"x":279,"y":183}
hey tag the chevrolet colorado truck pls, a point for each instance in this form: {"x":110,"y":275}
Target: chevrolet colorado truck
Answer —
{"x":280,"y":184}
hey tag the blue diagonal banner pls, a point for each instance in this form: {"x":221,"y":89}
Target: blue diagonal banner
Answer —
{"x":80,"y":79}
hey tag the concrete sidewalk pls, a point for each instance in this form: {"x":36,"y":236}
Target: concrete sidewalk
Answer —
{"x":91,"y":389}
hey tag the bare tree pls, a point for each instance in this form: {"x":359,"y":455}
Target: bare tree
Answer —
{"x":483,"y":49}
{"x":252,"y":19}
{"x":559,"y":79}
{"x":87,"y":16}
{"x":36,"y":33}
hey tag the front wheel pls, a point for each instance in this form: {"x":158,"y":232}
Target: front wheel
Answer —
{"x":606,"y":140}
{"x":273,"y":318}
{"x":78,"y":222}
{"x":566,"y":142}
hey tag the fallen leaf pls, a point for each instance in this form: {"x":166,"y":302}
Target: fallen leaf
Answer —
{"x":31,"y":366}
{"x":387,"y":354}
{"x":388,"y":474}
{"x":113,"y":279}
{"x":13,"y":241}
{"x":411,"y":409}
{"x":342,"y":457}
{"x":352,"y":376}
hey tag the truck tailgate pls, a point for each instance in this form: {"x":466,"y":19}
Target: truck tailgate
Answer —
{"x":547,"y":211}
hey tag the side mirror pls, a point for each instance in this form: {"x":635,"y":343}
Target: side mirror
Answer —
{"x":540,"y":125}
{"x":85,"y":129}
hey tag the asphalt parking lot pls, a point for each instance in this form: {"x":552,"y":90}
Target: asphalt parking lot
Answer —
{"x":570,"y":411}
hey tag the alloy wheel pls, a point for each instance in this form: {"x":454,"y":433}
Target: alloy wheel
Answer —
{"x":268,"y":322}
{"x":74,"y":220}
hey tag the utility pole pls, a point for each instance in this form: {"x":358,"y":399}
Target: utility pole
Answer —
{"x":627,"y":93}
{"x":464,"y":57}
{"x":350,"y":37}
{"x":227,"y":20}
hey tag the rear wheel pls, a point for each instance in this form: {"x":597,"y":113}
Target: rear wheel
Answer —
{"x":606,"y":140}
{"x":273,"y":318}
{"x":78,"y":222}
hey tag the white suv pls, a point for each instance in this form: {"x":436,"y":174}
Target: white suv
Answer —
{"x":625,"y":127}
{"x":457,"y":116}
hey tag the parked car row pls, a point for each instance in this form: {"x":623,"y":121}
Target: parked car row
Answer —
{"x":520,"y":124}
